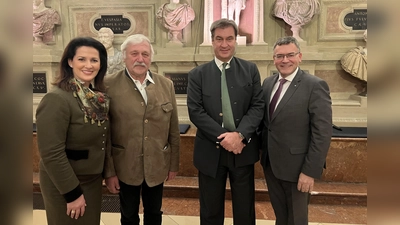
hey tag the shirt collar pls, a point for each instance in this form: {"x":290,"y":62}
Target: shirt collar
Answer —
{"x":290,"y":77}
{"x":148,"y":77}
{"x":219,"y":63}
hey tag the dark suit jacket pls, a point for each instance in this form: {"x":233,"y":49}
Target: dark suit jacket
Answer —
{"x":297,"y":137}
{"x":205,"y":111}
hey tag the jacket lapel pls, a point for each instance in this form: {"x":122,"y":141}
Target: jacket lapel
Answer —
{"x":289,"y":93}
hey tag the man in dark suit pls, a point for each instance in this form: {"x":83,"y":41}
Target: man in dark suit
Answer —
{"x":297,"y":130}
{"x":225,"y":146}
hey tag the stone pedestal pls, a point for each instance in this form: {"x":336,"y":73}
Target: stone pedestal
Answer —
{"x":174,"y":44}
{"x":45,"y":60}
{"x":241,"y":40}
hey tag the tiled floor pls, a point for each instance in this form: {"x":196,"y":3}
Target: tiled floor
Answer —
{"x":39,"y":218}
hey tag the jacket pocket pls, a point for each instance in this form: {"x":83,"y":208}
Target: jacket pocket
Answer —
{"x":117,"y":146}
{"x":77,"y":154}
{"x":167,"y":107}
{"x":295,"y":151}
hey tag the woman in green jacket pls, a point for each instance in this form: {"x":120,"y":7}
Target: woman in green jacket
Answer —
{"x":72,"y":126}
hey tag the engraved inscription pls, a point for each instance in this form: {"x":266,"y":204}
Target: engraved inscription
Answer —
{"x":357,"y":19}
{"x":39,"y":83}
{"x":180,"y":81}
{"x":116,"y":23}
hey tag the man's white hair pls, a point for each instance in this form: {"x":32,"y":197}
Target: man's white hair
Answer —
{"x":136,"y":39}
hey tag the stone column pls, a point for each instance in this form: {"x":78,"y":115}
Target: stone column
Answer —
{"x":208,"y":20}
{"x":258,"y":29}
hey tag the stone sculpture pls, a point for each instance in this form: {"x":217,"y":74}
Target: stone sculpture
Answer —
{"x":115,"y":61}
{"x":233,"y":9}
{"x":355,"y":62}
{"x":296,"y":13}
{"x":44,"y":21}
{"x":175,"y":16}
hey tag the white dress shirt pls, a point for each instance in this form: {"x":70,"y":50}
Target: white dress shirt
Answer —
{"x":284,"y":87}
{"x":142,"y":86}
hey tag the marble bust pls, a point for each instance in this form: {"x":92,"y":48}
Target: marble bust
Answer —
{"x":354,"y":62}
{"x":175,"y":16}
{"x":233,"y":9}
{"x":296,"y":13}
{"x":115,"y":61}
{"x":44,"y":21}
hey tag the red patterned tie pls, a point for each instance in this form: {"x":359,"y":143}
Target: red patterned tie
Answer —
{"x":274,"y":100}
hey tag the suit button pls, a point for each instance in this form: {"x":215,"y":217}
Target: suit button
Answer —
{"x":142,"y":103}
{"x":146,"y":121}
{"x":217,"y":146}
{"x":104,"y":135}
{"x":102,"y":149}
{"x":220,"y":114}
{"x":103,"y":142}
{"x":237,"y":119}
{"x":235,"y":103}
{"x":145,"y":138}
{"x":105,"y":128}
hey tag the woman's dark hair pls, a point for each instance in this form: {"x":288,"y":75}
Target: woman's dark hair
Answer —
{"x":65,"y":74}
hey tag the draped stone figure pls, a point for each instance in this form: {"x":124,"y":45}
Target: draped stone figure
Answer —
{"x":175,"y":16}
{"x":296,"y":13}
{"x":355,"y":62}
{"x":233,"y":9}
{"x":44,"y":21}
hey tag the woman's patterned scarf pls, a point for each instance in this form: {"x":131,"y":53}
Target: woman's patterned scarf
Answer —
{"x":94,"y":104}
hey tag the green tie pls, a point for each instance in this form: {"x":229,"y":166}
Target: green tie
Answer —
{"x":229,"y":123}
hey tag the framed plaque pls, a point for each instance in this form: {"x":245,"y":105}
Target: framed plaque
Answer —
{"x":180,"y":81}
{"x":39,"y":83}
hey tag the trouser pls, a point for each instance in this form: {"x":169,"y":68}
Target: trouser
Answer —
{"x":212,"y":193}
{"x":290,"y":205}
{"x":130,"y":200}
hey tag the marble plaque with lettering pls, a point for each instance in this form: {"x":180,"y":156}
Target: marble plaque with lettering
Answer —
{"x":116,"y":23}
{"x":357,"y":20}
{"x":342,"y":20}
{"x":180,"y":81}
{"x":123,"y":19}
{"x":39,"y":83}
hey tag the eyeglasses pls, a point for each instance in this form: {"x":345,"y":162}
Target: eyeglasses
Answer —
{"x":288,"y":56}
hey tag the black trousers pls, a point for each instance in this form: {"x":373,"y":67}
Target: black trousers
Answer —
{"x":130,"y":200}
{"x":212,"y":193}
{"x":290,"y":205}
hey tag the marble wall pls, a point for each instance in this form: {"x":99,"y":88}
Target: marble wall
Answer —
{"x":326,"y":37}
